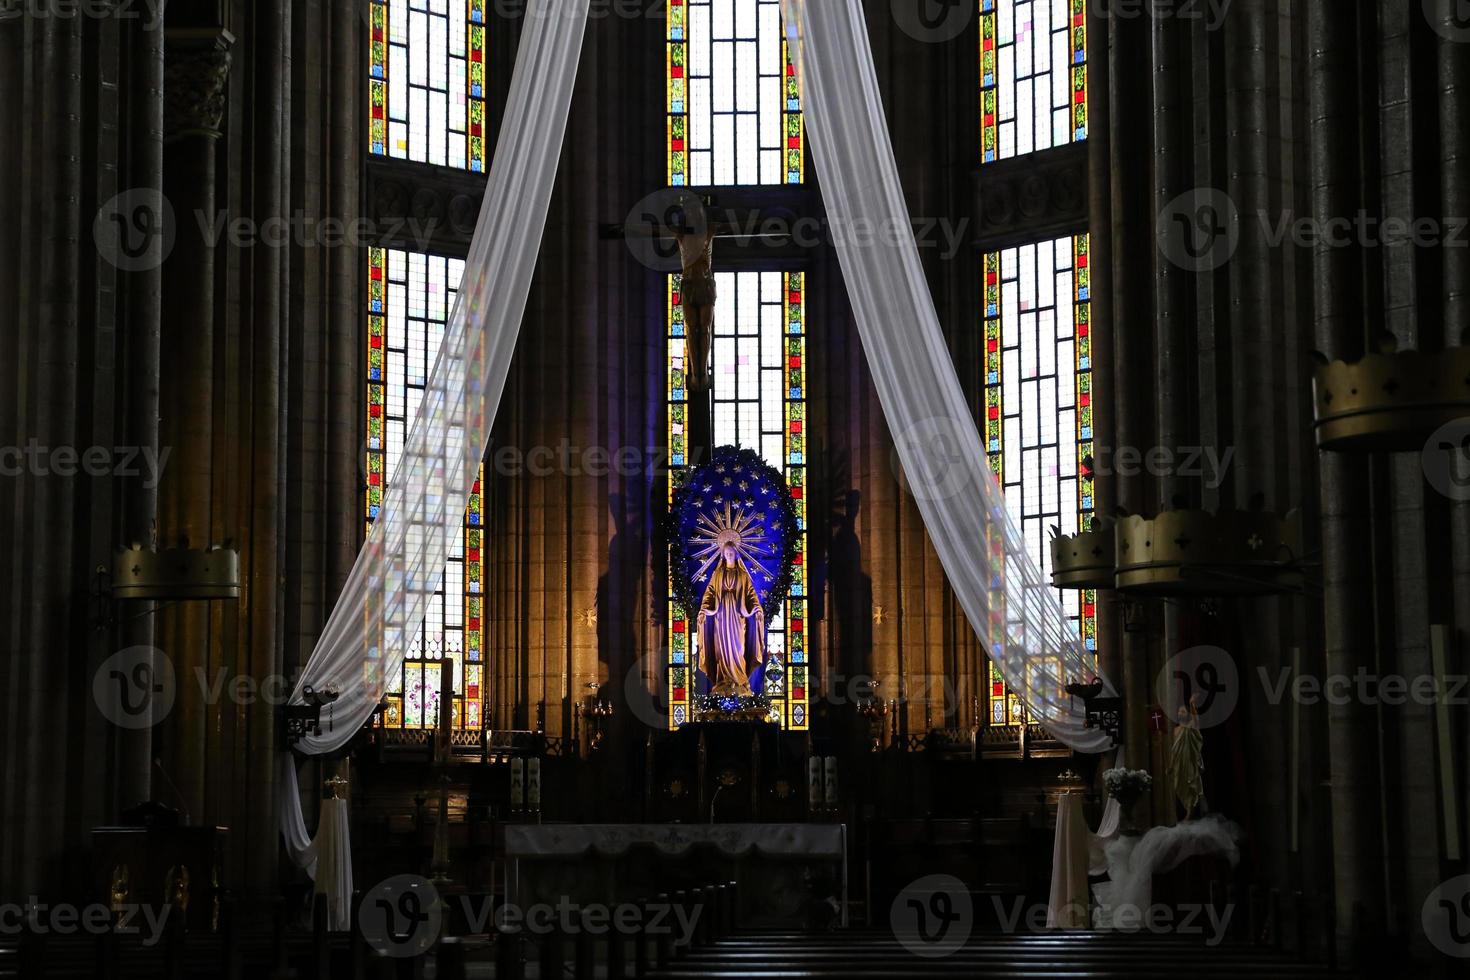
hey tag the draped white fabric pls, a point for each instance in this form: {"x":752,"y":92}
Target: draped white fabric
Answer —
{"x":1110,"y":824}
{"x":1078,"y":852}
{"x":1133,"y":862}
{"x":1066,"y":908}
{"x":328,"y":858}
{"x":1012,"y":609}
{"x":334,"y":864}
{"x":399,"y":568}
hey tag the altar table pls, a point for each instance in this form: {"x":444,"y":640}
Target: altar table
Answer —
{"x":611,"y":863}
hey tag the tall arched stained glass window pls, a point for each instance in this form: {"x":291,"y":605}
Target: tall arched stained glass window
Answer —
{"x":1033,"y":76}
{"x":1038,"y":409}
{"x":734,"y":101}
{"x":760,"y":404}
{"x":410,"y":296}
{"x":1036,"y":378}
{"x":426,"y":81}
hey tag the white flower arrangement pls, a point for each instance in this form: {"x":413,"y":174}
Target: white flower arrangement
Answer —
{"x":1122,"y":782}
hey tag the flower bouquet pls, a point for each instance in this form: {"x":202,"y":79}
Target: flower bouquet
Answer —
{"x":1127,"y":786}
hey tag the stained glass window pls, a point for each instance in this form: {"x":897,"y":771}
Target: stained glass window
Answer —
{"x":426,"y":81}
{"x":410,"y":296}
{"x":1033,"y":76}
{"x":759,"y":403}
{"x":1038,"y":410}
{"x":734,"y":100}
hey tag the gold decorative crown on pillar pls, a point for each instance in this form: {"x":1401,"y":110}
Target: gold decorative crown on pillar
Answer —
{"x":176,"y":573}
{"x":1390,"y":401}
{"x":1197,"y":553}
{"x":1085,"y":560}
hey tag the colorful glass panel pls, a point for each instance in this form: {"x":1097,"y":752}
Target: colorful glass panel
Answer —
{"x":1033,"y":76}
{"x":410,"y":297}
{"x":734,"y":99}
{"x":1038,"y":413}
{"x":426,"y":81}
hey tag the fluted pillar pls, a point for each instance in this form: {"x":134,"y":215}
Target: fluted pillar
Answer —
{"x":195,"y":89}
{"x":1133,"y":247}
{"x":260,"y":444}
{"x":140,"y":328}
{"x":1453,"y":64}
{"x":45,"y":529}
{"x":1402,"y":112}
{"x":1347,"y":579}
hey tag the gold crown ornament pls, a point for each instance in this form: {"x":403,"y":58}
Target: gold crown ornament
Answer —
{"x":1391,"y":400}
{"x":1085,"y":560}
{"x":1199,"y":553}
{"x":176,"y":573}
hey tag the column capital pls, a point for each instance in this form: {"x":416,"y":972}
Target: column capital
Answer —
{"x":196,"y":70}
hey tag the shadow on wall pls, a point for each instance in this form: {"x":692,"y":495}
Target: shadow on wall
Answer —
{"x":617,"y":590}
{"x":851,"y":588}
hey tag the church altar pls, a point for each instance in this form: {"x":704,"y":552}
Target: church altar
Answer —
{"x":793,"y":865}
{"x":732,"y":556}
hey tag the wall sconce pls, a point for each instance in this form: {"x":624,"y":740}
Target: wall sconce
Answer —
{"x":875,"y":712}
{"x":593,"y":713}
{"x":296,"y":721}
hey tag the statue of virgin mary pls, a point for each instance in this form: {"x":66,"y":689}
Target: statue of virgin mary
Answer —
{"x":732,"y":623}
{"x":732,"y":626}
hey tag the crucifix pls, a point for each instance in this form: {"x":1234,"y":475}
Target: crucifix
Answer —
{"x":683,"y":216}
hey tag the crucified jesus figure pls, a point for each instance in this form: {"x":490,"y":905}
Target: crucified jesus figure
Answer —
{"x":684,"y":215}
{"x":697,"y":295}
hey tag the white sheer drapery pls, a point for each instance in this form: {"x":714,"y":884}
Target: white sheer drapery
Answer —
{"x":400,"y":565}
{"x":1013,"y":610}
{"x":328,"y":858}
{"x":1124,"y":899}
{"x":1077,"y":853}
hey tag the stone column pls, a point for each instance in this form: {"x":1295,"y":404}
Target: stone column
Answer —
{"x":44,"y":530}
{"x":259,"y":442}
{"x":1347,"y":564}
{"x":197,"y":68}
{"x":345,"y":297}
{"x":1173,"y":411}
{"x":1403,"y":112}
{"x":1453,"y":63}
{"x":1251,"y":403}
{"x":140,"y":327}
{"x":1132,"y":246}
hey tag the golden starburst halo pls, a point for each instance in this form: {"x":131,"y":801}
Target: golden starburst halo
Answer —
{"x":730,"y":526}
